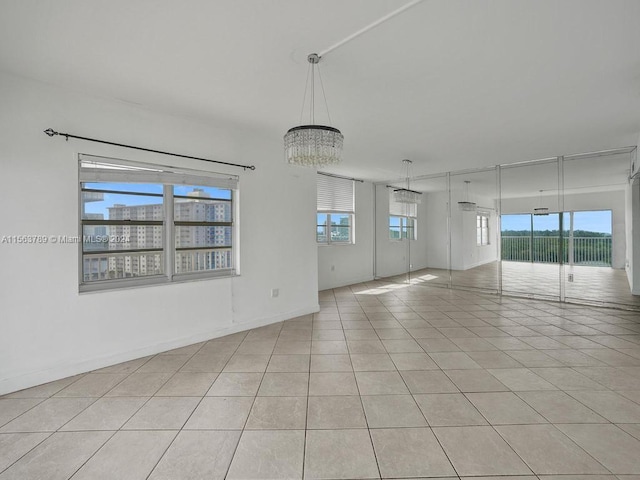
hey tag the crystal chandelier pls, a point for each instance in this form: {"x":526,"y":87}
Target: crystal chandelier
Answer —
{"x":313,"y":145}
{"x":466,"y":205}
{"x":404,"y":195}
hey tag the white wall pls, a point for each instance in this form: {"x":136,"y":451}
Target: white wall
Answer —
{"x":49,"y":330}
{"x":340,"y":265}
{"x":614,"y":201}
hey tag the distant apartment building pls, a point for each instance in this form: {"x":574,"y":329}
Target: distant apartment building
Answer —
{"x":198,"y":246}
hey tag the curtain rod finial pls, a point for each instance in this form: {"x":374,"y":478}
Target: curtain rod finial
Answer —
{"x":51,"y":132}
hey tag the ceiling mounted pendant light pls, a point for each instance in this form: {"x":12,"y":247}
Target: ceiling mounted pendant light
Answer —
{"x":313,"y":145}
{"x":466,"y":205}
{"x":540,"y":210}
{"x":405,"y":195}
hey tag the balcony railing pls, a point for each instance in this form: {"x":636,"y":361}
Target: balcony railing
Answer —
{"x":112,"y":265}
{"x":594,"y":251}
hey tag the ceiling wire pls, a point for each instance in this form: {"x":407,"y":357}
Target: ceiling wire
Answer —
{"x":326,"y":105}
{"x":370,"y":26}
{"x":304,"y":97}
{"x":312,"y":110}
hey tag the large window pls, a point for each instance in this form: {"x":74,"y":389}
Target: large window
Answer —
{"x":402,"y":219}
{"x":336,"y":210}
{"x":482,"y":229}
{"x":147,"y":224}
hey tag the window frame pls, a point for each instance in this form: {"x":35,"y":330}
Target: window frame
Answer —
{"x":407,"y":213}
{"x":169,"y":250}
{"x":327,"y":225}
{"x":482,"y":231}
{"x":335,"y":196}
{"x":404,"y":228}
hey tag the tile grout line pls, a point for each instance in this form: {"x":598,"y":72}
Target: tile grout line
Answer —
{"x":179,"y":431}
{"x":135,"y":413}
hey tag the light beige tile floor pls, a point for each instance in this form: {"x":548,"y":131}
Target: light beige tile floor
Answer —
{"x":386,"y":381}
{"x":590,"y":284}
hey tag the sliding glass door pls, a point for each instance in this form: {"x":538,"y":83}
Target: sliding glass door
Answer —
{"x":597,"y":210}
{"x":532,"y":248}
{"x":557,"y":229}
{"x":474,"y":230}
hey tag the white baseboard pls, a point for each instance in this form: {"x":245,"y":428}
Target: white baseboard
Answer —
{"x":64,"y":370}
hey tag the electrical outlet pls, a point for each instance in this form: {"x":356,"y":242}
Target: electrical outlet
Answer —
{"x":275,"y":292}
{"x":570,"y":277}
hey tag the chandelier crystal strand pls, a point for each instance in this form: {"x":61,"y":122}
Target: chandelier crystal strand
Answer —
{"x":313,"y":145}
{"x":406,"y":195}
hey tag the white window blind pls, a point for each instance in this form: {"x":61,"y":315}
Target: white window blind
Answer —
{"x":335,"y":194}
{"x":102,"y":169}
{"x":401,"y":209}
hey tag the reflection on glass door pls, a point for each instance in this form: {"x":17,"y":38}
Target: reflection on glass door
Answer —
{"x":532,"y":246}
{"x":547,"y":239}
{"x":532,"y":238}
{"x":395,"y":232}
{"x":474,"y":230}
{"x":537,"y":239}
{"x":516,"y":231}
{"x":591,"y":238}
{"x":595,"y":197}
{"x":557,"y":229}
{"x":430,"y":250}
{"x":590,"y":274}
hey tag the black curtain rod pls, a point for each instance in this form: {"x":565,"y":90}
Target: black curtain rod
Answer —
{"x":67,"y":136}
{"x":340,"y":176}
{"x":403,"y":189}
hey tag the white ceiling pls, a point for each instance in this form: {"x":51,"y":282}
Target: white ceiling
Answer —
{"x":450,"y":84}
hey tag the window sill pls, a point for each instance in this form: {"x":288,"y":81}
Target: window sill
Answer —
{"x":151,"y":281}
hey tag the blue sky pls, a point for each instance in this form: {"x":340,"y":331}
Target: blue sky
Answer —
{"x":593,"y":221}
{"x":597,"y":221}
